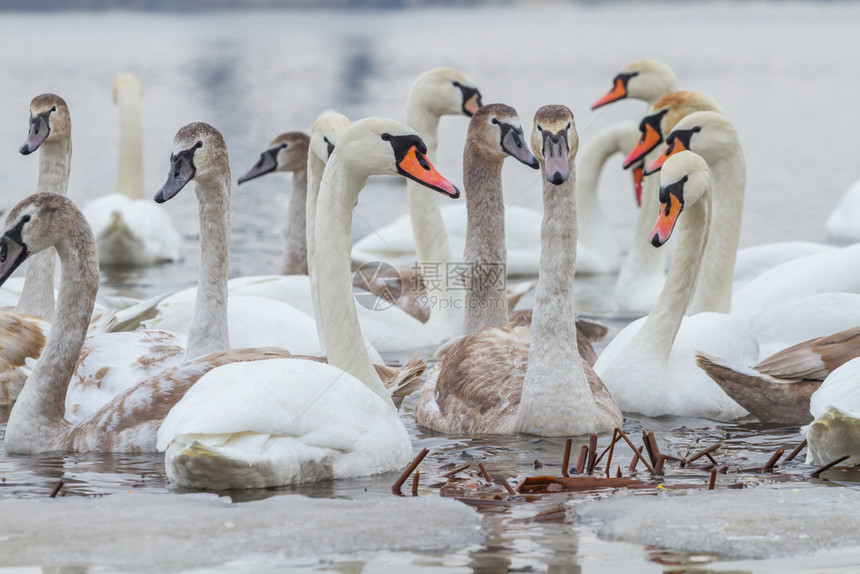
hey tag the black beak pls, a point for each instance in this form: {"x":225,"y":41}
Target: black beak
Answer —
{"x":39,"y":131}
{"x":182,"y":171}
{"x":12,"y":254}
{"x":267,"y":163}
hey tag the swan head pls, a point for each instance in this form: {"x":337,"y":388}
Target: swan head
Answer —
{"x":684,"y":180}
{"x":444,"y":91}
{"x":126,"y":88}
{"x":647,"y":80}
{"x":49,"y":119}
{"x":287,"y":152}
{"x":495,"y":132}
{"x":379,"y":146}
{"x":36,"y":223}
{"x":709,"y":134}
{"x":555,"y":142}
{"x":662,"y":118}
{"x":199,"y":153}
{"x":325,"y":132}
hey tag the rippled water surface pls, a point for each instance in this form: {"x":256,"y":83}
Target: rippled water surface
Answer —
{"x":786,"y":75}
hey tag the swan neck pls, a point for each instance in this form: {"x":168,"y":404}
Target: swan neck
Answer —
{"x":295,"y":233}
{"x":485,"y":253}
{"x":345,"y":348}
{"x":37,"y":296}
{"x":130,"y":171}
{"x":714,"y":291}
{"x":661,"y":327}
{"x":315,"y":170}
{"x":37,"y":420}
{"x":556,"y":399}
{"x":208,"y":332}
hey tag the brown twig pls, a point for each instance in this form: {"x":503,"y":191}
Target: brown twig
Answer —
{"x":796,"y":451}
{"x":509,"y":488}
{"x":395,"y":488}
{"x":57,"y":488}
{"x":415,"y":478}
{"x":609,"y":449}
{"x":486,"y":474}
{"x":451,"y":473}
{"x":565,"y":461}
{"x":636,"y":452}
{"x":580,"y":462}
{"x":772,"y":461}
{"x":661,"y":460}
{"x":713,"y":480}
{"x":592,"y":452}
{"x":702,"y":453}
{"x":618,"y":473}
{"x":635,"y":460}
{"x":651,"y":446}
{"x":830,"y":465}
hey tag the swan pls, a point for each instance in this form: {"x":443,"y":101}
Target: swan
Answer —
{"x":643,"y":274}
{"x":649,"y":367}
{"x":297,"y":421}
{"x":835,"y":428}
{"x":516,"y":379}
{"x":289,"y":152}
{"x":130,"y":230}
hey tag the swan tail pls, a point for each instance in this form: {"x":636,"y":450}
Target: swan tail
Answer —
{"x":404,"y":381}
{"x":131,"y":318}
{"x":768,"y":398}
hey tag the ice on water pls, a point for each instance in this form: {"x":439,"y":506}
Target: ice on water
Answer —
{"x":749,"y":523}
{"x":161,"y":532}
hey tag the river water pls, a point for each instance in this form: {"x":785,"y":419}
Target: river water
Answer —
{"x":785,"y":73}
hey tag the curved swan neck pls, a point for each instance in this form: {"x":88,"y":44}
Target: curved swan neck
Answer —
{"x":345,"y":349}
{"x":37,"y":297}
{"x":556,"y":399}
{"x":485,"y":254}
{"x":660,"y":328}
{"x":37,"y":420}
{"x":714,"y":291}
{"x":315,"y":171}
{"x":130,"y":171}
{"x":208,"y":332}
{"x":296,"y":246}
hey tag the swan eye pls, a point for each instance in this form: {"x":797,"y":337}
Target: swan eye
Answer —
{"x":568,"y":126}
{"x":25,"y":219}
{"x":540,"y":129}
{"x":457,"y":84}
{"x":199,"y":144}
{"x":494,"y":121}
{"x":54,"y":109}
{"x":285,"y":145}
{"x":385,"y":137}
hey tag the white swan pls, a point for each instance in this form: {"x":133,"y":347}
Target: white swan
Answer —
{"x":297,"y":421}
{"x":516,"y":379}
{"x":650,"y":366}
{"x":131,"y":230}
{"x":642,"y":275}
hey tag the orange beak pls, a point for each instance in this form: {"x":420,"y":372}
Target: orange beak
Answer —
{"x":650,"y":139}
{"x":637,"y":184}
{"x":676,"y":146}
{"x":666,"y":220}
{"x":416,"y":166}
{"x":473,"y":104}
{"x":618,"y":92}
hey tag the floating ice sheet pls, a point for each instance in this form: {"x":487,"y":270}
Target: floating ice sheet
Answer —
{"x":748,"y":523}
{"x":161,"y":532}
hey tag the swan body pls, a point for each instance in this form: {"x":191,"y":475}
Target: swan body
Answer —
{"x":835,"y":406}
{"x":130,"y":230}
{"x":522,"y":377}
{"x":299,"y":421}
{"x":753,"y":261}
{"x":649,"y":367}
